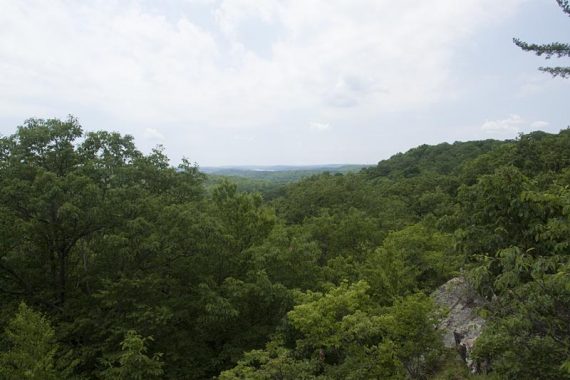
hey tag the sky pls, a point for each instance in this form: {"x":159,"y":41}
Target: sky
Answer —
{"x":298,"y":82}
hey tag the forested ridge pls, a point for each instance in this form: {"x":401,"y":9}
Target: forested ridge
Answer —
{"x":116,"y":265}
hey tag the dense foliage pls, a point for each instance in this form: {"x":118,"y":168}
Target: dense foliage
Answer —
{"x":115,"y":265}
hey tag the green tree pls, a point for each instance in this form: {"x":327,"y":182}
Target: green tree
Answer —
{"x":133,"y":362}
{"x":289,"y":257}
{"x":31,"y":347}
{"x":527,"y":336}
{"x":61,"y":190}
{"x":343,"y":334}
{"x":245,"y":219}
{"x":555,"y":49}
{"x":56,"y":197}
{"x":416,"y":258}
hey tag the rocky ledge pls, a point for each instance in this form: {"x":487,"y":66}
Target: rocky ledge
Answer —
{"x":462,"y":325}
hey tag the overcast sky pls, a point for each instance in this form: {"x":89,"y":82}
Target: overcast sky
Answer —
{"x":230,"y":82}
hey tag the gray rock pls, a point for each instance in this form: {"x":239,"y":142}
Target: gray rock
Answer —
{"x":462,"y":325}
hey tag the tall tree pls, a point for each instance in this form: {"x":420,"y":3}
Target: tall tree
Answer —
{"x":60,"y":189}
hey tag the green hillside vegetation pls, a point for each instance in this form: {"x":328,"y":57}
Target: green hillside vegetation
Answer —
{"x":115,"y":265}
{"x":267,"y":188}
{"x":439,"y":159}
{"x":270,"y":183}
{"x":281,"y":173}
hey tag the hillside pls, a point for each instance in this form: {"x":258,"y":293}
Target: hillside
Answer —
{"x":443,"y":158}
{"x":269,"y":180}
{"x":283,"y":173}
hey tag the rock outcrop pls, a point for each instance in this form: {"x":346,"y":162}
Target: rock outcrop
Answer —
{"x":462,"y":325}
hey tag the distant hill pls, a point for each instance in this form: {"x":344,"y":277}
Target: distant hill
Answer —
{"x":270,"y":180}
{"x":443,"y":158}
{"x":279,"y":171}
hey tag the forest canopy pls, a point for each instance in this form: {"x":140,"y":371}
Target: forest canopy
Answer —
{"x":116,"y":265}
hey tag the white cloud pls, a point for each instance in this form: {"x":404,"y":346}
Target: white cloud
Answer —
{"x":512,"y":125}
{"x":140,"y":65}
{"x":508,"y":125}
{"x":131,"y":62}
{"x":320,"y":126}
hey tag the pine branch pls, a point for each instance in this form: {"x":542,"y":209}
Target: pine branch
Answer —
{"x":562,"y":72}
{"x":555,"y":49}
{"x":565,"y":5}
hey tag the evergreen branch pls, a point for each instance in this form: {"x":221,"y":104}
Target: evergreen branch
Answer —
{"x":565,"y":5}
{"x":555,"y":49}
{"x":563,"y":72}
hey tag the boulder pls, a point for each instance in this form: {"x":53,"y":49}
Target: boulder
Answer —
{"x":462,"y":325}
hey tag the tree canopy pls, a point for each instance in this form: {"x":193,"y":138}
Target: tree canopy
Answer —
{"x":116,"y":265}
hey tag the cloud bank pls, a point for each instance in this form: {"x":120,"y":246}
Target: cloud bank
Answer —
{"x":129,"y":60}
{"x":513,"y":124}
{"x":238,"y":67}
